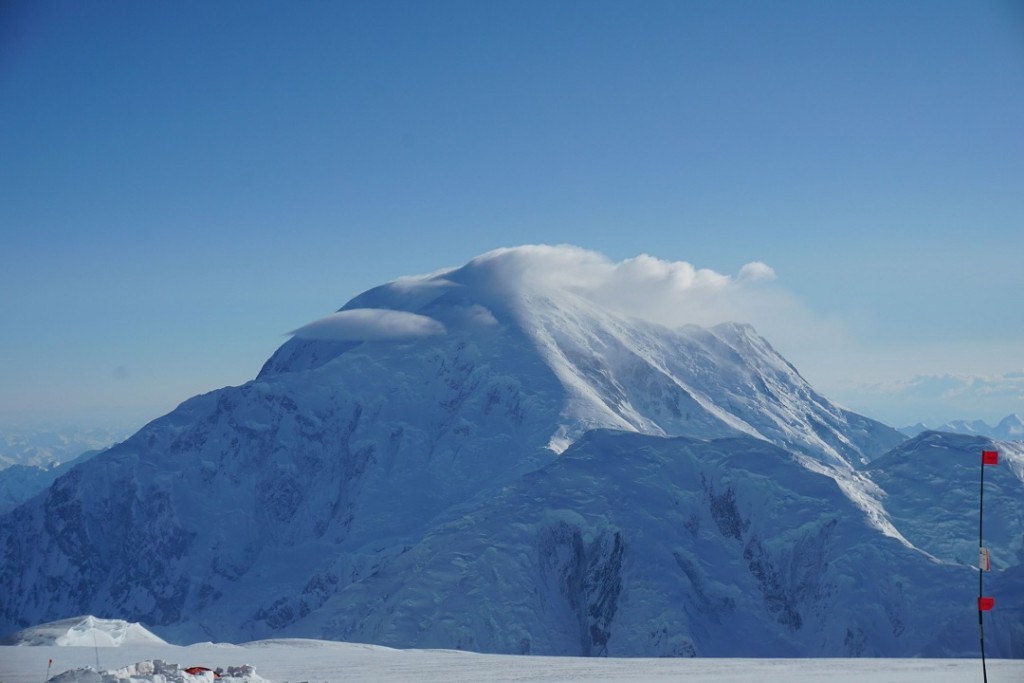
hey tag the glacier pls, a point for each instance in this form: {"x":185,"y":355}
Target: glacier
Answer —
{"x":546,"y":476}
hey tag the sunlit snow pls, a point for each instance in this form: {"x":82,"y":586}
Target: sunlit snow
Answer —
{"x":326,"y":662}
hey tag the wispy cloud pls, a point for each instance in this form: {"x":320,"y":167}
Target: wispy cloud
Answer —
{"x":672,"y":293}
{"x":1008,"y":386}
{"x":369,"y":324}
{"x":942,"y":397}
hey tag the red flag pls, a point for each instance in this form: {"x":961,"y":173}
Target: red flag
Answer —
{"x":985,"y":604}
{"x":990,"y":457}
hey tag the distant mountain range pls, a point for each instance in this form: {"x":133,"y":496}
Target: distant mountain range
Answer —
{"x":1010,"y":428}
{"x":47,"y":446}
{"x":19,"y":483}
{"x":32,"y":458}
{"x":489,"y":460}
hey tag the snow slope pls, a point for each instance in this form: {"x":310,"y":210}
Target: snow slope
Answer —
{"x":87,"y":631}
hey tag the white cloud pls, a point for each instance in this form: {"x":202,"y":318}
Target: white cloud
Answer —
{"x":1010,"y":385}
{"x":672,"y":293}
{"x":369,"y":324}
{"x":756,"y":270}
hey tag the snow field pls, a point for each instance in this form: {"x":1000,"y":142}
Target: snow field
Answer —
{"x":295,"y":661}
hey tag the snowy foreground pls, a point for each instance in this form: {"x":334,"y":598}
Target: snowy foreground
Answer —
{"x":293,"y":661}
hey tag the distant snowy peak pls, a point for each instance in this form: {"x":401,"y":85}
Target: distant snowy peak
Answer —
{"x":1010,"y":428}
{"x":966,"y":427}
{"x":87,"y":631}
{"x":910,"y":431}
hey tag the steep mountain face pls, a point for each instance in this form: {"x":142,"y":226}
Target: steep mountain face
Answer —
{"x":236,"y":493}
{"x":637,"y":545}
{"x":327,"y":496}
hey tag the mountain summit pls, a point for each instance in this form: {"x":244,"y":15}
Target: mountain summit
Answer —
{"x":613,"y":369}
{"x":500,"y":457}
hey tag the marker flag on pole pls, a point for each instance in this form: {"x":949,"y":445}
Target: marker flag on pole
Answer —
{"x":984,"y":560}
{"x":986,"y":604}
{"x":990,"y":457}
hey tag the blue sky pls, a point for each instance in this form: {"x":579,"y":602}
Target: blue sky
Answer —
{"x":181,"y":183}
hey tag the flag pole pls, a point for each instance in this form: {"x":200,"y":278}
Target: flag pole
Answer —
{"x":984,"y":562}
{"x":981,"y":568}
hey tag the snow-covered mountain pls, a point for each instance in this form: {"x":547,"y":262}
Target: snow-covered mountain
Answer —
{"x":421,"y":468}
{"x":932,"y":486}
{"x":84,"y":631}
{"x":631,"y":544}
{"x":1010,"y":428}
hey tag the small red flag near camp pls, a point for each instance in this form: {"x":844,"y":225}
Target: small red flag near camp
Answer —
{"x":990,"y":457}
{"x":986,"y":604}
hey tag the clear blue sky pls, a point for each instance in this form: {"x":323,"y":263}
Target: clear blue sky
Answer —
{"x":183,"y":182}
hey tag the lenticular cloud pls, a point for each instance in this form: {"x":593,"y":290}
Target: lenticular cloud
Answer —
{"x":370,"y":324}
{"x":668,"y":292}
{"x":671,"y":293}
